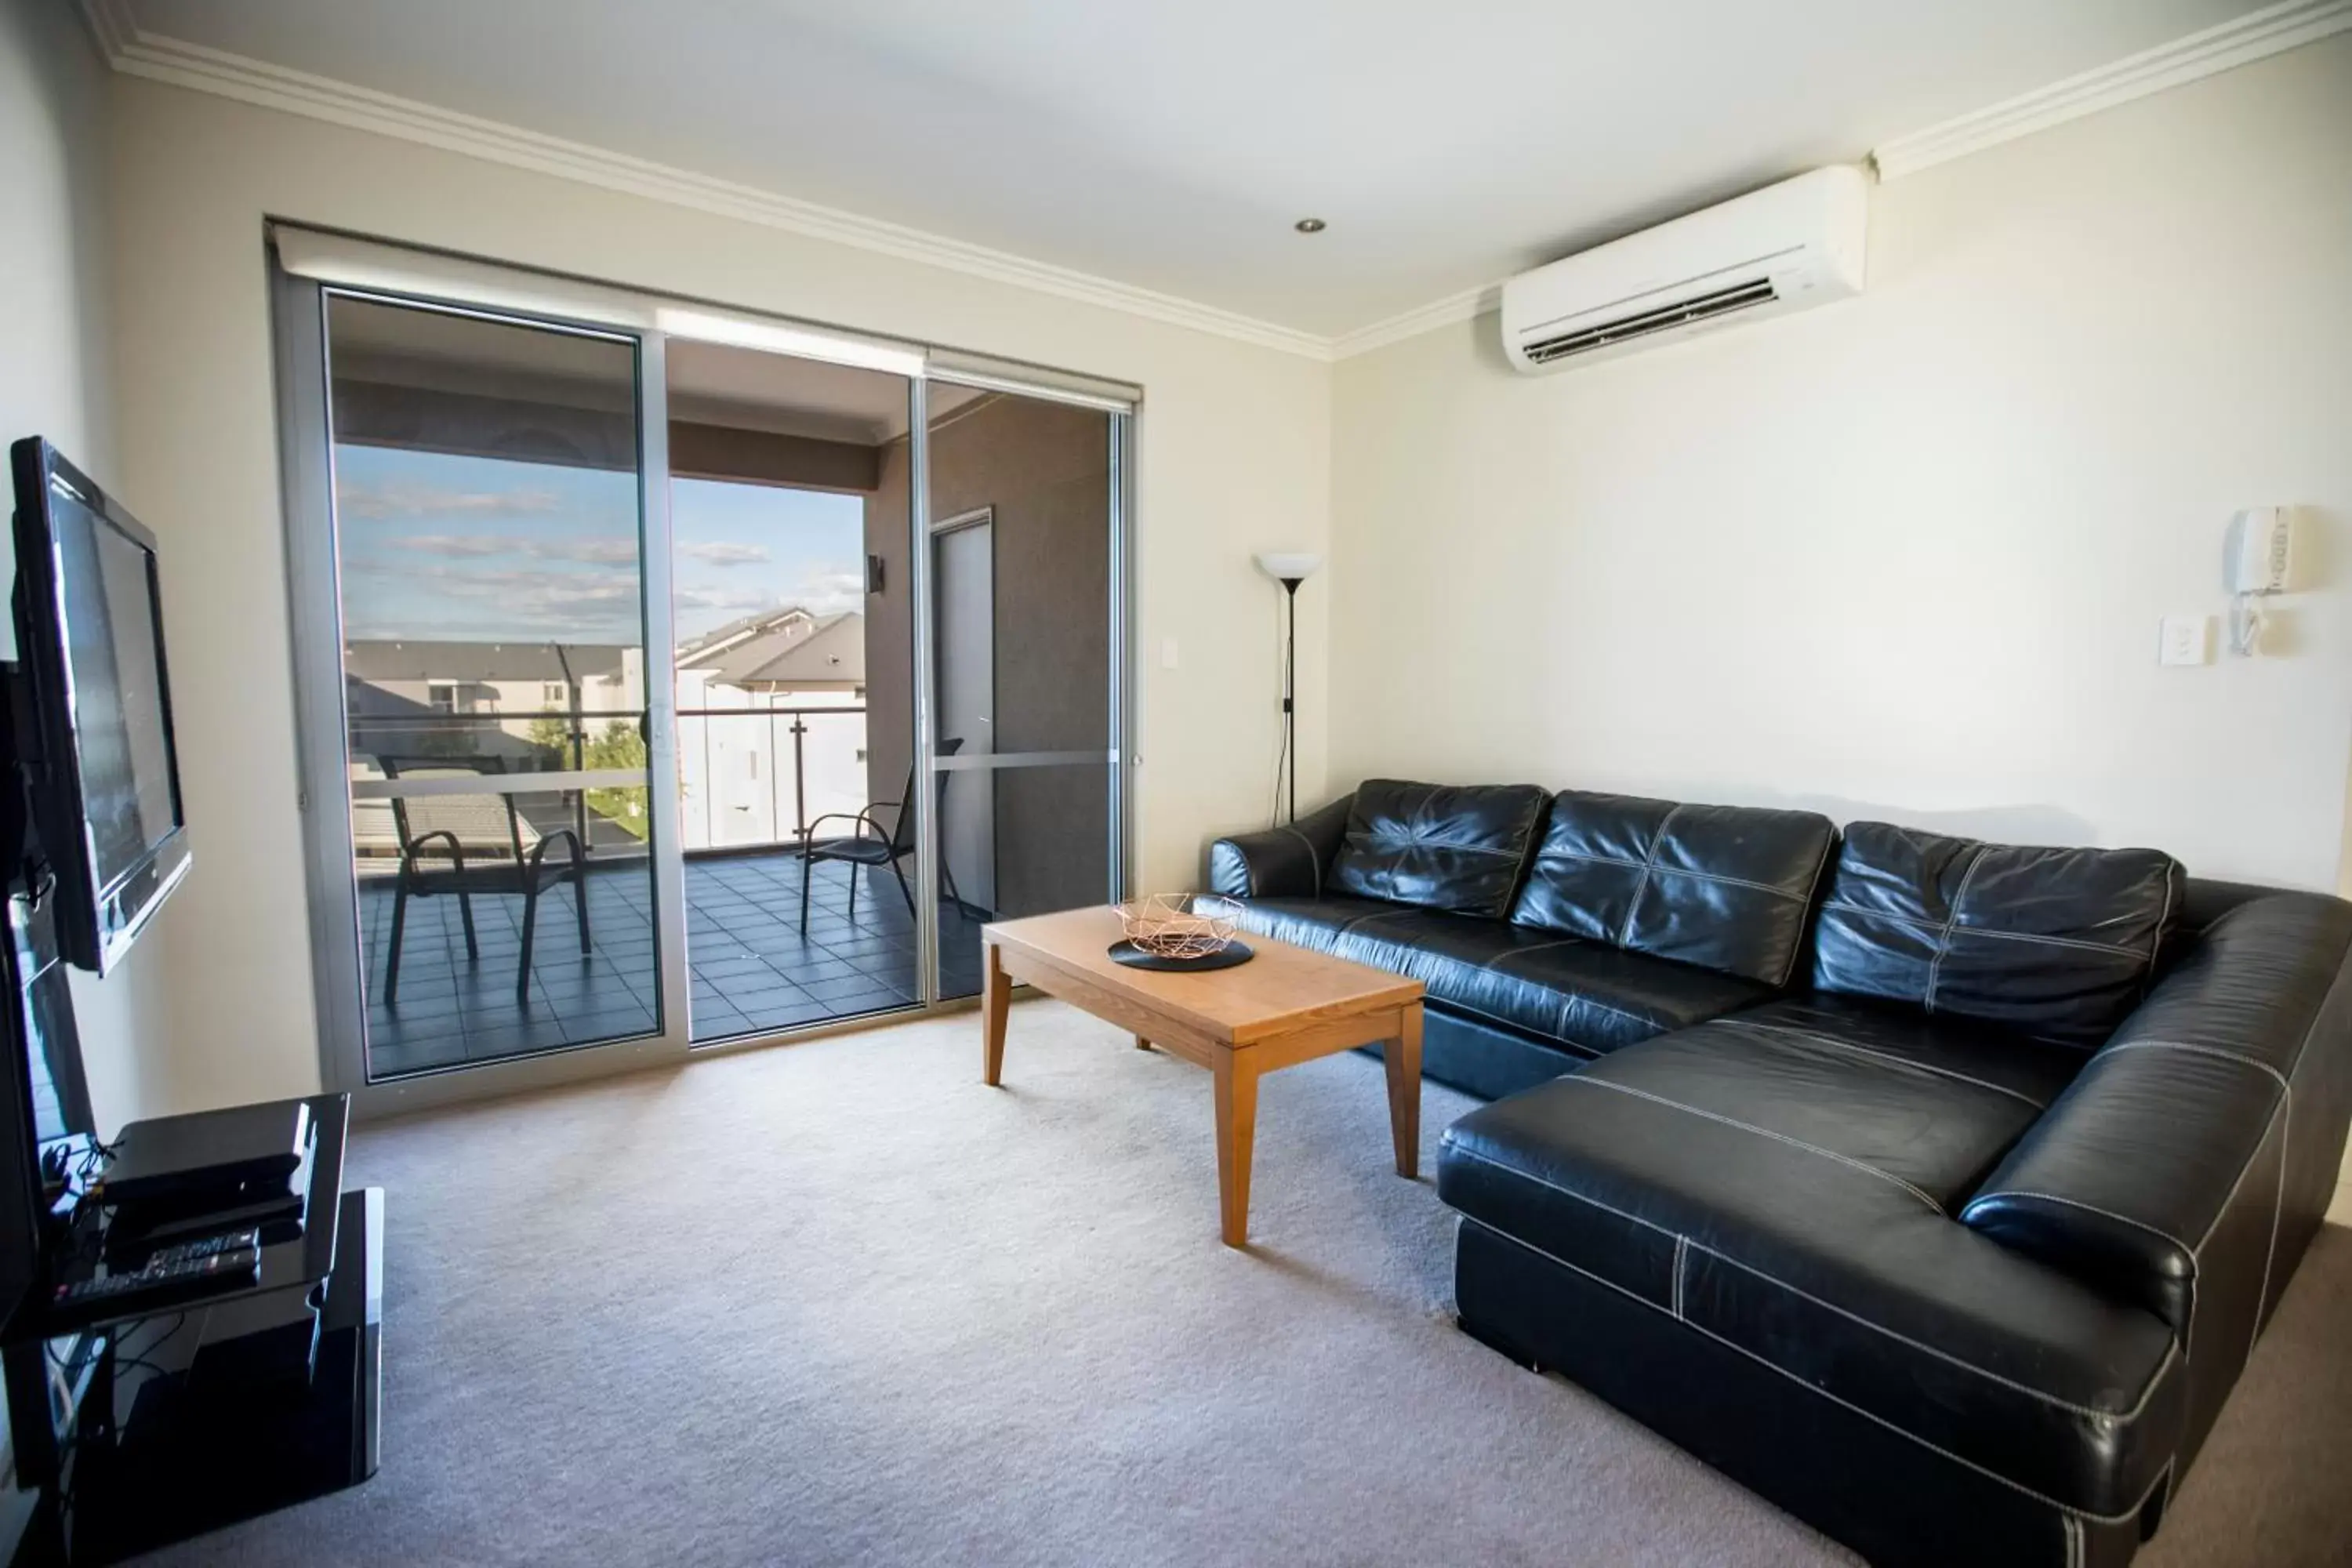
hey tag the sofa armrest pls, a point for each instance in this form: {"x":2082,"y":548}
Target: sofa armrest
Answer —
{"x":1290,"y":862}
{"x":2162,"y":1173}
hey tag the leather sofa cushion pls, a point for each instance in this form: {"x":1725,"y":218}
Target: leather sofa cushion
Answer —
{"x":1438,"y":846}
{"x":1310,"y":923}
{"x":1593,"y":997}
{"x":2058,"y":942}
{"x":1587,"y":996}
{"x":1782,"y":1180}
{"x":1725,"y":886}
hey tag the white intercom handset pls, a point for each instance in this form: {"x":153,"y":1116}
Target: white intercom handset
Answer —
{"x":2258,"y":559}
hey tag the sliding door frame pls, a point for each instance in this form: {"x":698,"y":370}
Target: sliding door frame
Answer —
{"x":328,"y":263}
{"x":339,"y":984}
{"x":1122,"y":413}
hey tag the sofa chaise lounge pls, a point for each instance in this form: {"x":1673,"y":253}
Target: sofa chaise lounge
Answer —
{"x":1936,"y":1190}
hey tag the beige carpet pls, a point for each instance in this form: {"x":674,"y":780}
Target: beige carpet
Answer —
{"x":838,"y":1302}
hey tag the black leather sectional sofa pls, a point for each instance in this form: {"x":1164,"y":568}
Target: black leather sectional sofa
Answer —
{"x":1936,"y":1190}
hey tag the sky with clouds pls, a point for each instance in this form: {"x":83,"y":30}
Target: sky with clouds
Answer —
{"x":442,"y":547}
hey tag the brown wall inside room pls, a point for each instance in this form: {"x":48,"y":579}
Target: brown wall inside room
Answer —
{"x":1045,"y":467}
{"x":549,"y":428}
{"x":764,"y":457}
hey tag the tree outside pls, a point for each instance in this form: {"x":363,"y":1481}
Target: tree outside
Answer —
{"x":620,"y":746}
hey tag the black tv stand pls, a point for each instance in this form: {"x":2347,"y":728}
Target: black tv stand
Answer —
{"x":278,"y":1404}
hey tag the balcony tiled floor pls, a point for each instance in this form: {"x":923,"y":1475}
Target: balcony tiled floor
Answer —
{"x":752,"y":971}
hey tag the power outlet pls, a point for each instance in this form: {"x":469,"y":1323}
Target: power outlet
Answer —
{"x":2185,"y":639}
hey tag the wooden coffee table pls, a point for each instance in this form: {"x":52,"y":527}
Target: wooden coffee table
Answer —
{"x":1285,"y":1006}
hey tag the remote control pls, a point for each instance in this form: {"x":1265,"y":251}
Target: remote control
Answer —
{"x":204,"y":1247}
{"x":225,"y":1269}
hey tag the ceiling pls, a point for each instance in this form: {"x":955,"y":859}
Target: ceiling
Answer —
{"x":1171,"y":147}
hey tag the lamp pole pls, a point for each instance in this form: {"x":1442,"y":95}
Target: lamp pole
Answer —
{"x":1289,"y":568}
{"x":1290,"y":686}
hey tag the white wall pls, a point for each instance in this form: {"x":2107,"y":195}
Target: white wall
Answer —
{"x":55,"y":381}
{"x":1235,"y":449}
{"x":1904,"y":556}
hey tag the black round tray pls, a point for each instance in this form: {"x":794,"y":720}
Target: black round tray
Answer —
{"x":1225,"y":957}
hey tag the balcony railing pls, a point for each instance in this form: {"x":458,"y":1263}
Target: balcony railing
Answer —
{"x":743,"y":756}
{"x":733,"y":762}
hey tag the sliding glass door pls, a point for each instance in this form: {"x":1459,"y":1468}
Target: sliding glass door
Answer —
{"x":487,"y":573}
{"x":1025,"y":632}
{"x":670,"y":676}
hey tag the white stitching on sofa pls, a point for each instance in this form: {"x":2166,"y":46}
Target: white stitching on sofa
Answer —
{"x":2286,"y":1097}
{"x":1682,"y":1244}
{"x":2155,"y":938}
{"x":2088,"y":1208}
{"x":2283,"y":1107}
{"x":2241,"y":1058}
{"x":1396,"y":840}
{"x":1944,"y":940}
{"x":2147,"y":1392}
{"x":1761,"y":1133}
{"x":2038,"y":938}
{"x":2189,"y":1333}
{"x":1579,"y":998}
{"x":2318,"y":1012}
{"x":1633,"y":906}
{"x":1891,"y":1057}
{"x":1532,"y":947}
{"x":1932,"y":1447}
{"x":1492,"y":966}
{"x":1313,"y":860}
{"x":1454,"y":1146}
{"x":2278,"y":1206}
{"x":1551,"y":854}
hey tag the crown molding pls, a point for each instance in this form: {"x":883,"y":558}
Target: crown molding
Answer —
{"x":135,"y":52}
{"x":1468,"y":305}
{"x":110,"y":23}
{"x":2270,"y":31}
{"x":138,"y":53}
{"x":2258,"y":34}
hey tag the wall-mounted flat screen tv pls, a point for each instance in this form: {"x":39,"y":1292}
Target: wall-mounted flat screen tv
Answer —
{"x":93,"y":724}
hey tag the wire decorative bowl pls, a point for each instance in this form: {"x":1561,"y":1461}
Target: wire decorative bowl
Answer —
{"x":1179,"y":925}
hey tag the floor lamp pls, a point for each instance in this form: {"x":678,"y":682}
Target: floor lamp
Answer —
{"x":1289,"y":568}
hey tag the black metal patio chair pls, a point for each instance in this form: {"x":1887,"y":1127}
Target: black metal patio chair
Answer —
{"x":870,"y":847}
{"x":490,"y":848}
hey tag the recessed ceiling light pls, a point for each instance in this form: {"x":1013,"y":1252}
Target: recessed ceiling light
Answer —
{"x":1309,"y":225}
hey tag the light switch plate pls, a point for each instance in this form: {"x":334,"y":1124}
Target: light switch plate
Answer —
{"x":2185,"y":639}
{"x":1168,"y":653}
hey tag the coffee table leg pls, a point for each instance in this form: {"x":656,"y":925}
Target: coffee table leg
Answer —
{"x":995,"y":1000}
{"x":1237,"y":1130}
{"x":1142,"y":1044}
{"x":1402,"y":1059}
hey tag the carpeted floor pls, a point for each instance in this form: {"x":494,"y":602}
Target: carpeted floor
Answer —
{"x":838,"y":1302}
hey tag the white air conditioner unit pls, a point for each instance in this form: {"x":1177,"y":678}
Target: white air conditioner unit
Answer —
{"x":1783,"y":249}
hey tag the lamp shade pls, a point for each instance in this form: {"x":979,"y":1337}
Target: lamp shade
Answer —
{"x":1287,"y":566}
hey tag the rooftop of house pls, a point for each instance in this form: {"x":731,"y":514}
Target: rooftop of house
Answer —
{"x":790,"y":646}
{"x":796,"y":649}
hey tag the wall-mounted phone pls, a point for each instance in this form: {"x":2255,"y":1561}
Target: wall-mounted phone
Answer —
{"x":2260,"y":555}
{"x":2257,"y":560}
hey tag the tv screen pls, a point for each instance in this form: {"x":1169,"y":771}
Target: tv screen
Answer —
{"x":97,"y":730}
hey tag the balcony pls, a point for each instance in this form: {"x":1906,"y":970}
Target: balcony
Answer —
{"x":745,"y":774}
